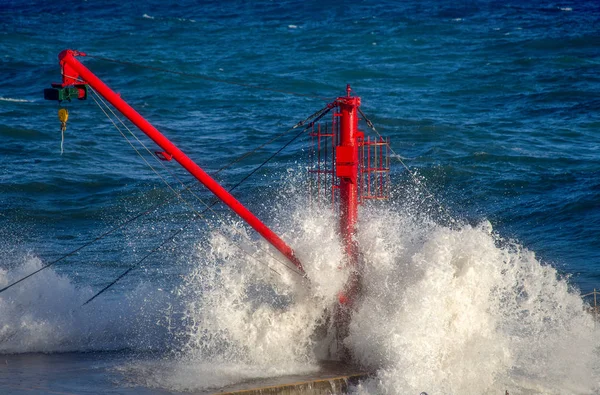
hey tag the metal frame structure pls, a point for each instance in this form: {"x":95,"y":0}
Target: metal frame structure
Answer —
{"x":353,"y":168}
{"x":350,"y":169}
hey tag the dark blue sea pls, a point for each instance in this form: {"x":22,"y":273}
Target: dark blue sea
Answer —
{"x":475,"y":270}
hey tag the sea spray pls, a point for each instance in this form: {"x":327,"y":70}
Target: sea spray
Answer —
{"x":443,"y":310}
{"x":44,"y":313}
{"x":260,"y":309}
{"x":248,"y":313}
{"x":461,"y":311}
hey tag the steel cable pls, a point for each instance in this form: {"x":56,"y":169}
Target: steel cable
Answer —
{"x":321,"y":115}
{"x":318,"y":114}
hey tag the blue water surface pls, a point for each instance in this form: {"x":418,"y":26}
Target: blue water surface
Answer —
{"x":494,"y":106}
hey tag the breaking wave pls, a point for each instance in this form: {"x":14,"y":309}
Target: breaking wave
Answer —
{"x":45,"y":314}
{"x":462,"y":311}
{"x":444,"y":310}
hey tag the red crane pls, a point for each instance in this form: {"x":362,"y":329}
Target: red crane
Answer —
{"x":359,"y":168}
{"x":75,"y":78}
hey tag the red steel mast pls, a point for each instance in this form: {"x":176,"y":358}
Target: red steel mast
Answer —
{"x":347,"y":172}
{"x":346,"y":156}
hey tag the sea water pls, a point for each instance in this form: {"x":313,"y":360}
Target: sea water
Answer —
{"x":473,"y":270}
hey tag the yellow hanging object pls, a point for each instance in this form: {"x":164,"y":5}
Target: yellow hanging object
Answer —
{"x":63,"y":116}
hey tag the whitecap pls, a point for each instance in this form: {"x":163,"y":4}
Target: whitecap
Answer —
{"x":45,"y":314}
{"x":460,"y":311}
{"x":14,"y":100}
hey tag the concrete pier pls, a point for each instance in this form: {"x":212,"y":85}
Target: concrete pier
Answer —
{"x":333,"y":378}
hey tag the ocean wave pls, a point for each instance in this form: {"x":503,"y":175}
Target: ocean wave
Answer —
{"x":443,"y":311}
{"x":462,"y":311}
{"x":10,"y":99}
{"x":146,"y":16}
{"x":45,"y":314}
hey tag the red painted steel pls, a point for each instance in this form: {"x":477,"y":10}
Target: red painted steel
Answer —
{"x":73,"y":70}
{"x":374,"y":170}
{"x":322,"y":184}
{"x":347,"y":171}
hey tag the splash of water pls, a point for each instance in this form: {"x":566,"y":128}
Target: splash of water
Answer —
{"x":248,"y":315}
{"x":444,"y":311}
{"x":461,"y":311}
{"x":44,"y":314}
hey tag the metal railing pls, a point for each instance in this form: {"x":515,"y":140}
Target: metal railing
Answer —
{"x":594,"y":309}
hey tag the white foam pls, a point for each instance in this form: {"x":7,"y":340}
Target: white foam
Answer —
{"x":566,"y":9}
{"x":246,"y":320}
{"x":451,"y":311}
{"x":259,"y":316}
{"x":444,"y":311}
{"x":186,"y":20}
{"x":44,"y":314}
{"x":147,"y":16}
{"x":14,"y":100}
